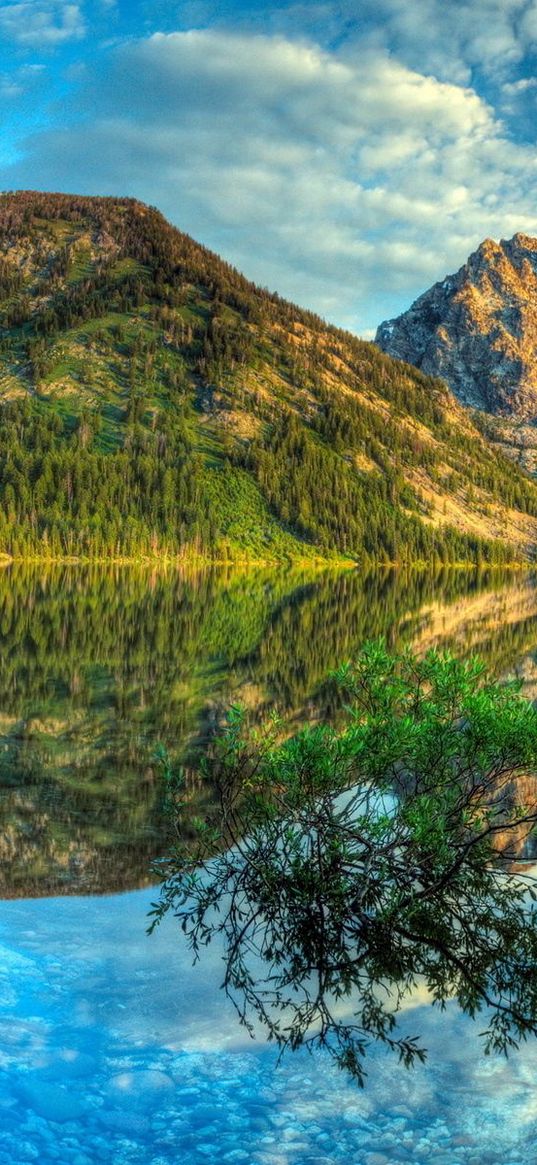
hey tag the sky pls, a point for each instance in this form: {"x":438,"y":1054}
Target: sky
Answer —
{"x":346,"y":155}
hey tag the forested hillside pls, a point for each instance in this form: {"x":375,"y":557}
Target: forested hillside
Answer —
{"x":154,"y":402}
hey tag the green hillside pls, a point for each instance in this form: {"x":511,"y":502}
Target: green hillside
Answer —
{"x":156,"y":403}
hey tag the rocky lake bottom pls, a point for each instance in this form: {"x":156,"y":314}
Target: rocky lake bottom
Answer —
{"x":114,"y":1048}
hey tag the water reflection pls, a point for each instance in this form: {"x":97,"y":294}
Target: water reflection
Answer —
{"x":97,"y":667}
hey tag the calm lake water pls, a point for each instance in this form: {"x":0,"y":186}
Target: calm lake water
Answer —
{"x":112,"y":1047}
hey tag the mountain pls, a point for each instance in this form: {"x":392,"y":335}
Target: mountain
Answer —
{"x":155,"y":403}
{"x":478,"y":329}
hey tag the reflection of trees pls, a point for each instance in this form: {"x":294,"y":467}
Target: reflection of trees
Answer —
{"x":98,"y":666}
{"x":448,"y":609}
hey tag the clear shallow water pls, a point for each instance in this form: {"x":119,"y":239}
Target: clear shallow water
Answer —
{"x":114,"y":1049}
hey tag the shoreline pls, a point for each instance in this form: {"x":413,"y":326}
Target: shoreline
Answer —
{"x":199,"y":561}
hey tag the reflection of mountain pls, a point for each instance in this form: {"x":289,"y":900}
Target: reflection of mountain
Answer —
{"x":98,"y":667}
{"x":497,"y":623}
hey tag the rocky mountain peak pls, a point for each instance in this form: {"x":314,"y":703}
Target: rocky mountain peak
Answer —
{"x":524,"y":242}
{"x":477,"y":329}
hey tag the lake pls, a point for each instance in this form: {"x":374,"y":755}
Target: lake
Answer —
{"x":112,"y":1046}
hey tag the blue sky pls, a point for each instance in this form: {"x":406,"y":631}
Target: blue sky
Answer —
{"x":344,"y":154}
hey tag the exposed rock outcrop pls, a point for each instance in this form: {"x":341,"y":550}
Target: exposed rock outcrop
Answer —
{"x":477,"y":329}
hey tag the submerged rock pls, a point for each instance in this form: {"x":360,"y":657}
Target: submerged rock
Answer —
{"x":51,"y":1101}
{"x":141,"y":1089}
{"x":117,"y":1120}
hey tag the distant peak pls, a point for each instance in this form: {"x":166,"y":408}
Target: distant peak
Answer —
{"x":477,"y":329}
{"x":488,"y":251}
{"x":524,"y":242}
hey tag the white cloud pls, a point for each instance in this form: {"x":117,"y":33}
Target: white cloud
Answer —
{"x":41,"y":23}
{"x":528,"y":23}
{"x":346,"y":184}
{"x":454,"y":38}
{"x":521,"y":86}
{"x":449,"y":38}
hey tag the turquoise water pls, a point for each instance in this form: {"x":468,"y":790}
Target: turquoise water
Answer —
{"x":113,"y":1048}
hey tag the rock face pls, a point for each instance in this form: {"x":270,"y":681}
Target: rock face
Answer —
{"x":478,"y":329}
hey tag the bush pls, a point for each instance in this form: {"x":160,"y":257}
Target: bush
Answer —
{"x":346,"y":865}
